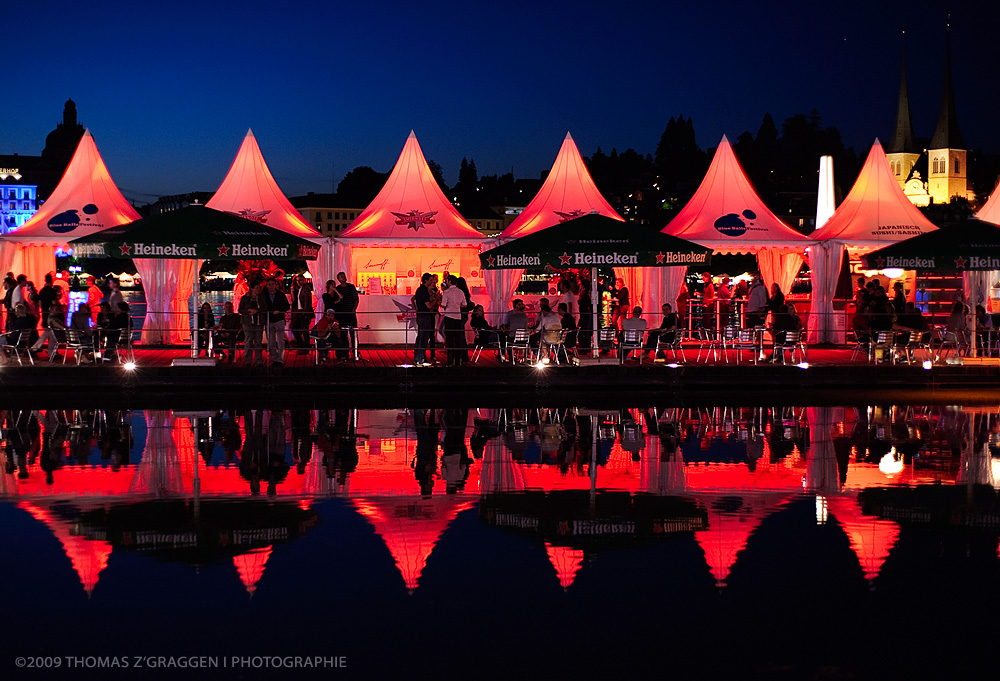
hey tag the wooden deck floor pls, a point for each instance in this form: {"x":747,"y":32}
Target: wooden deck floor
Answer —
{"x":391,"y":357}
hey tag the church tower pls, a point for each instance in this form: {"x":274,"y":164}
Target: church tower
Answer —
{"x":946,"y":154}
{"x":901,"y":151}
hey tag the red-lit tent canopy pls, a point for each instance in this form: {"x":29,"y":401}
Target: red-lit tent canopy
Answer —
{"x":871,"y":538}
{"x":88,"y":556}
{"x":250,"y":191}
{"x":568,"y":192}
{"x":410,"y":227}
{"x":726,"y":215}
{"x":875,"y":214}
{"x":567,"y":562}
{"x":729,"y":530}
{"x":991,"y":209}
{"x":411,"y":527}
{"x":85,"y":201}
{"x":250,"y":567}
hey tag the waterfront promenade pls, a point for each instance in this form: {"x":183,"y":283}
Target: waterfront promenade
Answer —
{"x":382,"y":372}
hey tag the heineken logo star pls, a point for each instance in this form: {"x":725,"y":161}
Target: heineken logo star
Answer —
{"x":223,"y":251}
{"x":660,"y":257}
{"x":125,"y":249}
{"x":959,"y":263}
{"x":415,"y":219}
{"x":493,"y":261}
{"x":565,"y":259}
{"x":880,"y":262}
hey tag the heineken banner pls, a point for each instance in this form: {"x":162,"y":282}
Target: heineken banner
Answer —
{"x":195,"y":232}
{"x":969,"y":245}
{"x":595,"y":241}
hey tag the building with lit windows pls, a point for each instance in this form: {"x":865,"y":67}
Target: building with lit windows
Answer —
{"x":929,"y":170}
{"x":18,"y":201}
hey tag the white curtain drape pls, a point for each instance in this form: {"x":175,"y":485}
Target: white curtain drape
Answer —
{"x":500,"y":286}
{"x":342,"y":260}
{"x":7,"y":251}
{"x":323,"y":269}
{"x":825,"y":260}
{"x":34,"y":261}
{"x":822,"y":474}
{"x":778,"y":268}
{"x":662,"y":284}
{"x":167,"y":286}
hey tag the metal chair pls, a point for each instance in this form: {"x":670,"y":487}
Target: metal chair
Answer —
{"x":860,"y":345}
{"x":16,"y":342}
{"x":949,"y":340}
{"x":519,"y":344}
{"x":606,"y":339}
{"x":916,"y":342}
{"x":709,"y":343}
{"x":884,"y":342}
{"x":746,"y":339}
{"x":674,"y":346}
{"x":791,"y":345}
{"x":482,"y":342}
{"x":555,"y":344}
{"x":631,"y":340}
{"x":78,"y":343}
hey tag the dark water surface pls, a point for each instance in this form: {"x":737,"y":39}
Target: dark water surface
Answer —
{"x":847,"y":542}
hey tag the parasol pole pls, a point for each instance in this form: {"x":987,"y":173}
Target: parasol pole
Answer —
{"x":194,"y":360}
{"x":195,"y":285}
{"x":594,"y":306}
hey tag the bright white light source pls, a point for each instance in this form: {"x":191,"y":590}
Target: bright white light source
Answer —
{"x":129,"y":366}
{"x":803,"y":365}
{"x":673,"y":365}
{"x":890,"y":465}
{"x":928,"y":364}
{"x":893,"y":272}
{"x":545,"y":360}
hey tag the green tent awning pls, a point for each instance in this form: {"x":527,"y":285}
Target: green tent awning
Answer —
{"x":970,"y":245}
{"x":595,"y":241}
{"x":195,"y":232}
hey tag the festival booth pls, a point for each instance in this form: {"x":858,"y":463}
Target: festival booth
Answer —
{"x":84,"y":202}
{"x":195,"y":233}
{"x":726,"y":215}
{"x":409,"y":228}
{"x":875,"y":214}
{"x":596,"y":240}
{"x":567,"y":193}
{"x":250,"y":191}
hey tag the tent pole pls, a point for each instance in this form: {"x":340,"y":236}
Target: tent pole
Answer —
{"x":595,"y":306}
{"x":194,"y":298}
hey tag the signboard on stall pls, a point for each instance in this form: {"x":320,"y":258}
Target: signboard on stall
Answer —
{"x":374,"y":286}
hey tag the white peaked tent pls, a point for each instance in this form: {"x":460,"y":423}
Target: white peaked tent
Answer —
{"x":875,"y":213}
{"x":410,"y":225}
{"x":726,"y":215}
{"x":85,"y":201}
{"x":250,"y":191}
{"x":568,"y":192}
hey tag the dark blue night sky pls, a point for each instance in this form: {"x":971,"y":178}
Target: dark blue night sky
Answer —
{"x":169,"y":90}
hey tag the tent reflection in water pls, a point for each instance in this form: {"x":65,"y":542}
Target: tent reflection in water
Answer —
{"x":195,"y":233}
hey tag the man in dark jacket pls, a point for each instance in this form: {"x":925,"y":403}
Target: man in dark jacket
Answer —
{"x":274,"y":304}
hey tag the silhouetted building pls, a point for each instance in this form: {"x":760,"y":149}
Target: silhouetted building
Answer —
{"x":43,"y":172}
